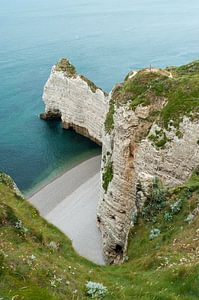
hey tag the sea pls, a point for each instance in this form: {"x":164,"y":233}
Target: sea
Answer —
{"x":104,"y":39}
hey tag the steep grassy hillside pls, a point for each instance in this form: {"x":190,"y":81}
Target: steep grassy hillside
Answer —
{"x":38,"y":262}
{"x":177,"y":87}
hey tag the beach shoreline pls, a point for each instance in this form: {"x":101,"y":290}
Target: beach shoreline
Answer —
{"x":70,"y":203}
{"x":43,"y":183}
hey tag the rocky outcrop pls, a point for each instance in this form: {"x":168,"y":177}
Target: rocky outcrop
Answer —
{"x":151,"y":129}
{"x":175,"y":162}
{"x":135,"y":164}
{"x":76,"y":100}
{"x":7,"y":180}
{"x":149,"y":132}
{"x":119,"y":199}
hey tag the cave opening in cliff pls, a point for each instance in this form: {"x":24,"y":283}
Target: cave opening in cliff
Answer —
{"x":119,"y":250}
{"x":54,"y":114}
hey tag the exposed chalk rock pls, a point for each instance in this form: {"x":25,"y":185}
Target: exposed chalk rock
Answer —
{"x":149,"y":131}
{"x":80,"y":104}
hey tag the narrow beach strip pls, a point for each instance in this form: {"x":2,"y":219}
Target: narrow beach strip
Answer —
{"x":70,"y":202}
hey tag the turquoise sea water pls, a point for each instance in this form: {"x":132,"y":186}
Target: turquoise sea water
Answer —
{"x":104,"y":39}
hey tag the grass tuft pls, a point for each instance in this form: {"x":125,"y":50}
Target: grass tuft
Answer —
{"x":107,"y":175}
{"x":64,"y":65}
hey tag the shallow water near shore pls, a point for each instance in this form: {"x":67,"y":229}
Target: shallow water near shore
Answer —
{"x":104,"y":40}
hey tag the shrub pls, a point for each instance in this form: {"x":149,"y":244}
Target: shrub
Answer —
{"x":134,"y":217}
{"x":19,"y":226}
{"x":159,"y":138}
{"x":154,"y":233}
{"x":95,"y":289}
{"x":7,"y":215}
{"x":109,"y":122}
{"x":176,"y":207}
{"x":156,"y":200}
{"x":64,"y":65}
{"x":1,"y":262}
{"x":107,"y":175}
{"x":168,"y":216}
{"x":189,"y":218}
{"x":7,"y":180}
{"x":91,"y":84}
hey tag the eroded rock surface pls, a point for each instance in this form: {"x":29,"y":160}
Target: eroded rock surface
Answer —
{"x":77,"y":101}
{"x":150,"y":130}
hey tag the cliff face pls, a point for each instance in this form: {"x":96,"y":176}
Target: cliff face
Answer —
{"x":76,"y":100}
{"x":118,"y":197}
{"x":151,"y":130}
{"x":134,"y":166}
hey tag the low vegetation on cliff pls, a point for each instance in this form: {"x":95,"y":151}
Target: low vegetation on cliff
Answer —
{"x":177,"y":88}
{"x":92,"y":85}
{"x":38,"y":262}
{"x":109,"y":122}
{"x":107,"y":175}
{"x":64,"y":65}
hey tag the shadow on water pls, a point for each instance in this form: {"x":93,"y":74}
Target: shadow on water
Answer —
{"x":64,"y":149}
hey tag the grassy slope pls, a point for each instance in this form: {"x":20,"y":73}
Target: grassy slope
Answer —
{"x":164,"y":268}
{"x":180,"y":93}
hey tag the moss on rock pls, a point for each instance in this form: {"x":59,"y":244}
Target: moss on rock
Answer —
{"x":109,"y":122}
{"x":107,"y":175}
{"x":64,"y":65}
{"x":159,"y":138}
{"x":92,"y":85}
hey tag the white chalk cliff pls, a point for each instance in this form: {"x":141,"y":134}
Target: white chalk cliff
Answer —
{"x":138,"y":141}
{"x":81,"y":105}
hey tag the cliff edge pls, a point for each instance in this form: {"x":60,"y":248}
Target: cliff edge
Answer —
{"x":148,"y":127}
{"x":74,"y":99}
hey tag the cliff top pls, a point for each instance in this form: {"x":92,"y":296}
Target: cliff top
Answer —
{"x":176,"y":87}
{"x":64,"y":65}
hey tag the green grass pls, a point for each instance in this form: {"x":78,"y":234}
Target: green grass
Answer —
{"x":159,"y":139}
{"x":183,"y":100}
{"x":164,"y":268}
{"x":64,"y":65}
{"x":109,"y":122}
{"x":189,"y":69}
{"x":107,"y":175}
{"x":92,"y":85}
{"x":140,"y":100}
{"x":179,"y":94}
